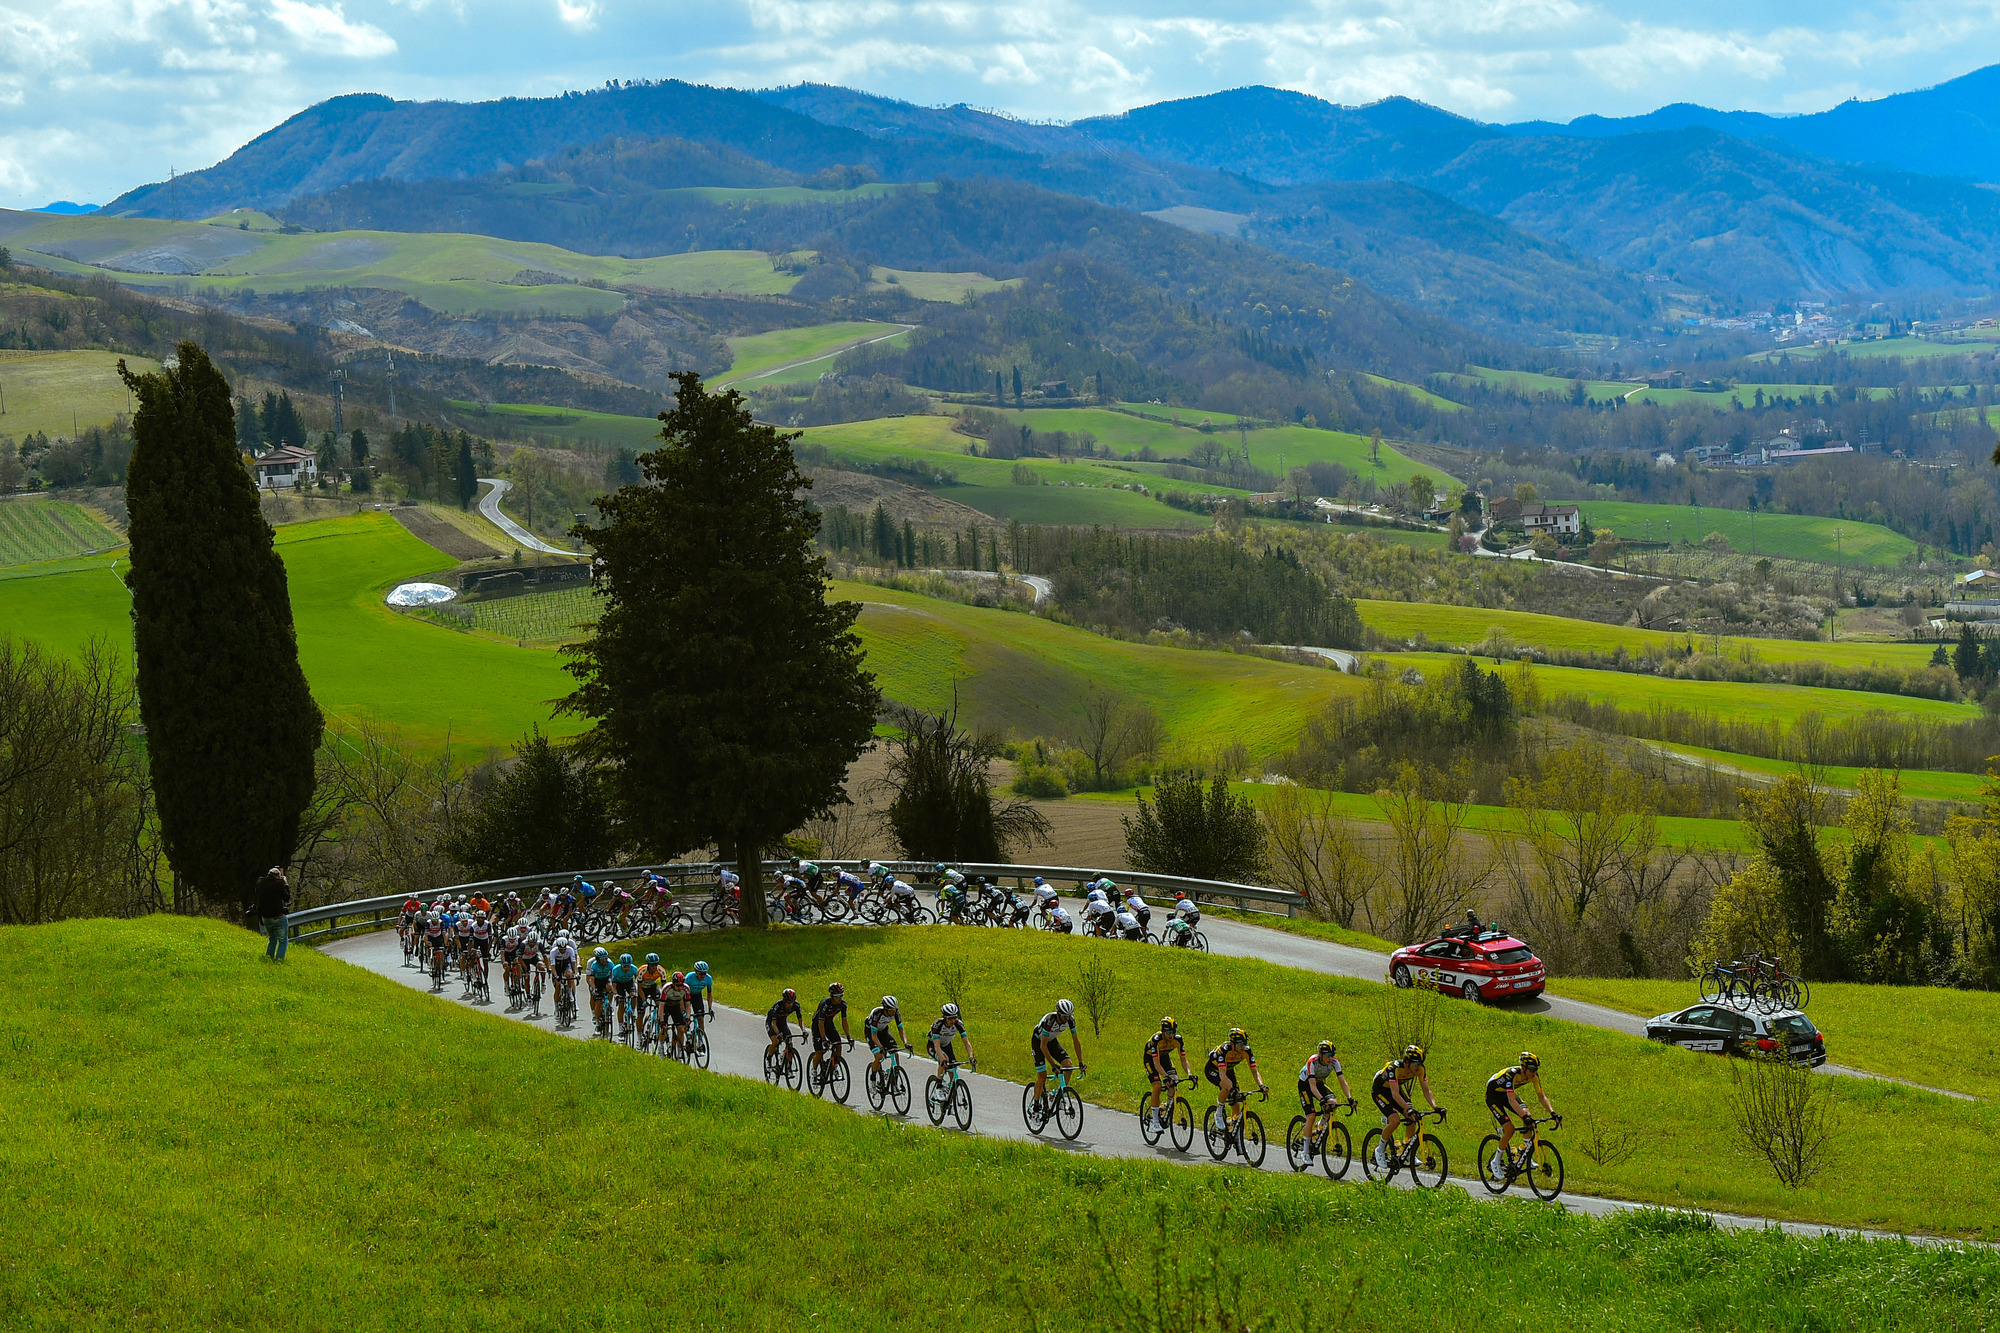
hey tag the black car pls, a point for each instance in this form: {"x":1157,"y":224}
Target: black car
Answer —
{"x":1727,"y":1030}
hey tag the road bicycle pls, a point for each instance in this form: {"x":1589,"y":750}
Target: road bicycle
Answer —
{"x":1244,"y":1132}
{"x":1330,"y":1143}
{"x":890,"y":1085}
{"x":1726,"y":983}
{"x":600,"y":1010}
{"x":1178,"y":1127}
{"x":783,"y":1066}
{"x":695,"y":1046}
{"x":406,"y":934}
{"x":1422,"y":1155}
{"x":1188,"y":938}
{"x":437,"y":967}
{"x":945,"y":1093}
{"x":653,"y":1030}
{"x":531,"y":986}
{"x":1061,"y":1104}
{"x":1530,"y":1157}
{"x":566,"y":1000}
{"x":1775,"y":989}
{"x":827,"y":1072}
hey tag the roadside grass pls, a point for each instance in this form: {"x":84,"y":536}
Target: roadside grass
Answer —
{"x":760,"y":353}
{"x":1926,"y":1034}
{"x":1470,"y":625}
{"x":59,"y":393}
{"x":1826,"y":541}
{"x":1031,"y":676}
{"x":1751,"y":703}
{"x":1675,"y":1102}
{"x":1307,"y":926}
{"x":1096,"y":506}
{"x":242,"y":1145}
{"x":35,"y":530}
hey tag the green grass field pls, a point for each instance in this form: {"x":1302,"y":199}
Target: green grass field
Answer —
{"x":1529,"y":384}
{"x":60,"y":393}
{"x":40,"y":529}
{"x":1675,"y":1101}
{"x":926,"y":286}
{"x":570,"y":425}
{"x":759,"y":355}
{"x":1917,"y":784}
{"x":453,"y":273}
{"x":1460,"y":625}
{"x":291,"y":1145}
{"x":1801,"y":537}
{"x":1741,"y":395}
{"x":1417,"y":392}
{"x":537,"y":619}
{"x":1924,"y":1034}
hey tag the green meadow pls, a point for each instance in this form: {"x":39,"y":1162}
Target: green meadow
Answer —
{"x":1529,"y":384}
{"x":760,"y":357}
{"x":60,"y":393}
{"x":1917,"y":784}
{"x":925,"y":285}
{"x":1417,"y":392}
{"x":1827,"y":541}
{"x":567,"y":425}
{"x":37,"y":529}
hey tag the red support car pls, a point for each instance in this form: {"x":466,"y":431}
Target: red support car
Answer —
{"x":1486,"y":964}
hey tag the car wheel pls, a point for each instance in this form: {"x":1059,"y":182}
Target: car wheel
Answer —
{"x":1470,"y":990}
{"x":1400,"y":975}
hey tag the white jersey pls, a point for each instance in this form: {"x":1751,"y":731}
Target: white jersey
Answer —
{"x":729,"y":879}
{"x":1136,"y":903}
{"x":563,"y":955}
{"x":952,"y":877}
{"x":1044,"y":894}
{"x":1127,"y":921}
{"x":901,"y":889}
{"x":1096,"y":907}
{"x":1186,"y":907}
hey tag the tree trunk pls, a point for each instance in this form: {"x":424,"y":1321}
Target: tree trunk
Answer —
{"x":750,"y":870}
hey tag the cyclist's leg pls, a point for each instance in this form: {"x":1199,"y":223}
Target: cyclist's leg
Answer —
{"x":1035,"y":1051}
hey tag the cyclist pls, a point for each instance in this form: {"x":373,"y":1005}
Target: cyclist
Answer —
{"x":1314,"y":1099}
{"x":407,"y":922}
{"x":1097,"y":915}
{"x":1129,"y":926}
{"x":565,"y":904}
{"x":701,"y":984}
{"x":777,"y":1020}
{"x":434,"y":931}
{"x":527,"y":957}
{"x":1503,"y":1095}
{"x":810,"y":872}
{"x":1187,"y":909}
{"x":792,"y":896}
{"x":563,"y":960}
{"x":510,"y":953}
{"x":461,"y":931}
{"x":621,"y":903}
{"x":1221,"y":1063}
{"x":951,"y":899}
{"x":728,"y":882}
{"x":511,"y":909}
{"x":1161,"y":1048}
{"x":1180,"y":934}
{"x":1014,"y":909}
{"x":848,"y":883}
{"x":1045,"y":894}
{"x":1045,"y":1045}
{"x":479,"y":903}
{"x":625,"y":980}
{"x":675,"y":1001}
{"x":1058,"y":920}
{"x":876,"y":1027}
{"x":903,"y":899}
{"x":833,"y":1007}
{"x":939,"y":1043}
{"x":598,"y":970}
{"x":1393,"y":1100}
{"x":651,"y":978}
{"x":1137,"y":907}
{"x":482,"y":937}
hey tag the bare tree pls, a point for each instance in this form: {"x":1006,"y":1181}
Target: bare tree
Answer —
{"x":1785,"y":1115}
{"x":1113,"y":731}
{"x":1406,"y":1017}
{"x":1096,"y":990}
{"x":382,"y":816}
{"x":954,"y":974}
{"x":841,"y":833}
{"x":1588,"y":823}
{"x":1315,"y":851}
{"x":1431,"y":871}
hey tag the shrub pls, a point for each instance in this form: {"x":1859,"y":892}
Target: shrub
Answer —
{"x":1202,"y":833}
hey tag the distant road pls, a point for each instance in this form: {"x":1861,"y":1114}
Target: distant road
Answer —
{"x":1043,"y":588}
{"x":726,"y":380}
{"x":489,"y":505}
{"x":1339,"y":657}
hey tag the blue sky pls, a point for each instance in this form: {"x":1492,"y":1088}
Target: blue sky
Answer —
{"x":100,"y":95}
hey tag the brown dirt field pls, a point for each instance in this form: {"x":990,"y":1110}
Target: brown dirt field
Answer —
{"x":428,"y":528}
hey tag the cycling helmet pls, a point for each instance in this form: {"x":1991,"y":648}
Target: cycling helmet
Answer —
{"x":625,"y":958}
{"x":1065,"y":1008}
{"x":1168,"y":1025}
{"x":949,"y":1011}
{"x":482,"y":916}
{"x":836,"y":989}
{"x":679,"y":979}
{"x":576,"y":879}
{"x":793,"y":863}
{"x":701,"y":968}
{"x":653,"y":959}
{"x":1413,"y":1054}
{"x":600,"y":952}
{"x":790,"y":994}
{"x":889,"y":1003}
{"x":1238,"y":1037}
{"x":1530,"y":1061}
{"x":1039,"y":881}
{"x":1326,"y":1049}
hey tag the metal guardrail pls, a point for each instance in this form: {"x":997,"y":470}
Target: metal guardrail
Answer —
{"x":691,"y":876}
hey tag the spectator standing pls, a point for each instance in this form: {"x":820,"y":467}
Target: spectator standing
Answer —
{"x":274,"y":900}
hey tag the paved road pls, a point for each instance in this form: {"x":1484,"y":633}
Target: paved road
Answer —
{"x":1339,"y":657}
{"x":726,"y":381}
{"x":1043,"y":588}
{"x":737,"y":1042}
{"x":489,"y":505}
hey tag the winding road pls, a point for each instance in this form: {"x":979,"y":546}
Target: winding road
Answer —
{"x":737,"y":1044}
{"x":489,"y":506}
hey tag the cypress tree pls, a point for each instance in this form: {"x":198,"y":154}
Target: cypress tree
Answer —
{"x":230,"y":724}
{"x":468,"y":485}
{"x":727,"y":693}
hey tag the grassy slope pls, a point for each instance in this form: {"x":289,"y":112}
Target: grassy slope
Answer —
{"x":1459,"y":625}
{"x":59,"y":392}
{"x":1675,"y":1100}
{"x":41,"y":529}
{"x":1031,"y":675}
{"x":1417,"y":392}
{"x":1943,"y":1038}
{"x":569,"y":424}
{"x":308,"y":1138}
{"x":1754,"y":703}
{"x":1529,"y":384}
{"x":927,"y":286}
{"x":1799,"y":536}
{"x":1918,"y":784}
{"x":761,"y":352}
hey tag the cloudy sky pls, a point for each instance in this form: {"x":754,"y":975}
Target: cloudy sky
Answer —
{"x":100,"y":95}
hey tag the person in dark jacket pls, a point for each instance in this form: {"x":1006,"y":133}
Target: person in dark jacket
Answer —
{"x":274,"y":899}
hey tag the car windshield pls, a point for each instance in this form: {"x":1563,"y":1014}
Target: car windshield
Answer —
{"x":1796,"y":1024}
{"x":1516,"y":955}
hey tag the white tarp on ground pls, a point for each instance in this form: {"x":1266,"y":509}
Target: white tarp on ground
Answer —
{"x":420,"y":594}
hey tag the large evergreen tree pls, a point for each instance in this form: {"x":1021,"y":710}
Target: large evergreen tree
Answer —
{"x":468,"y":482}
{"x":727,"y":693}
{"x":230,"y":725}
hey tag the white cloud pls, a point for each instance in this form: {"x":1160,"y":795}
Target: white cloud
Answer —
{"x":578,"y":14}
{"x":325,"y":30}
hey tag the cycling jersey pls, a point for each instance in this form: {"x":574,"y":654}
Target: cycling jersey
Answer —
{"x":811,"y":873}
{"x":600,"y":970}
{"x":624,"y":975}
{"x":697,"y":982}
{"x":563,"y":960}
{"x":1223,"y":1057}
{"x":901,"y":889}
{"x":676,"y":999}
{"x":652,"y":976}
{"x":1318,"y":1069}
{"x":1052,"y":1025}
{"x":782,"y":1010}
{"x":1044,"y":894}
{"x":1508,"y":1079}
{"x":1128,"y":923}
{"x":944,"y":1029}
{"x":832,"y":1007}
{"x":881,"y":1020}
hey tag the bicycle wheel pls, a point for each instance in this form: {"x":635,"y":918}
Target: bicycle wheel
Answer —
{"x":899,"y":1090}
{"x":1200,"y":942}
{"x":834,"y":908}
{"x":873,"y":1079}
{"x":936,"y":1096}
{"x":792,"y":1068}
{"x":1148,"y":1130}
{"x":1336,"y":1149}
{"x":1215,"y":1133}
{"x":1069,"y":1113}
{"x":1545,"y":1173}
{"x":1370,"y":1145}
{"x":923,"y":916}
{"x":770,"y":1067}
{"x":815,"y":1077}
{"x":1296,"y":1156}
{"x":1181,"y":1127}
{"x":961,"y":1104}
{"x":1766,"y":998}
{"x":1431,"y":1167}
{"x":698,"y":1047}
{"x":837,"y":1080}
{"x":1252,"y":1140}
{"x":1713,"y":986}
{"x":1492,"y":1172}
{"x":1788,"y":992}
{"x":1804,"y":989}
{"x":1033,"y":1114}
